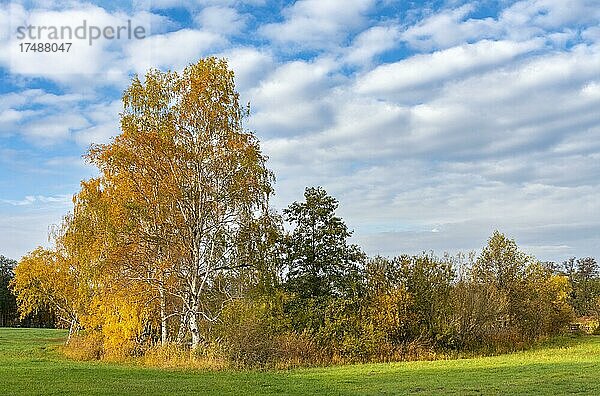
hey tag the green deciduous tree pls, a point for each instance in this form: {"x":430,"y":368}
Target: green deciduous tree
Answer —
{"x":536,"y":297}
{"x":8,"y":303}
{"x":584,"y":277}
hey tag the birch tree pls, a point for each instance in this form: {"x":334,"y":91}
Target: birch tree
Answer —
{"x":199,"y":176}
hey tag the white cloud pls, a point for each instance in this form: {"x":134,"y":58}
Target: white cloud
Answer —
{"x":592,"y":34}
{"x":195,"y":4}
{"x":550,"y":14}
{"x":81,"y":59}
{"x":221,"y":20}
{"x":521,"y":21}
{"x":250,"y":66}
{"x":22,"y":228}
{"x":449,"y":28}
{"x":29,"y":97}
{"x":101,"y":63}
{"x":173,"y":50}
{"x":104,"y":120}
{"x":372,"y":42}
{"x":438,"y":66}
{"x":318,"y":24}
{"x":38,"y":199}
{"x":58,"y":118}
{"x":53,"y":128}
{"x":11,"y":116}
{"x":290,"y":100}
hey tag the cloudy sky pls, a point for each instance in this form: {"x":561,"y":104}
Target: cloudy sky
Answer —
{"x":432,"y":122}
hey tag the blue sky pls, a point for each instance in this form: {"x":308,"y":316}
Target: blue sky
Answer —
{"x":433,"y":123}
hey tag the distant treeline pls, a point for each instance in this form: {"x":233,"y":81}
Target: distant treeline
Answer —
{"x":173,"y":253}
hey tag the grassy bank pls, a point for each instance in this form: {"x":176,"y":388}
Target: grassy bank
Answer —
{"x":31,"y":364}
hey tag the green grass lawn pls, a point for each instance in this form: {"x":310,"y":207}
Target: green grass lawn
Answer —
{"x":30,"y":364}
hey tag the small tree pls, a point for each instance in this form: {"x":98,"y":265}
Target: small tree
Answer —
{"x":8,"y":303}
{"x":583,"y":275}
{"x":501,"y":263}
{"x":429,"y":282}
{"x":44,"y":279}
{"x":536,"y":297}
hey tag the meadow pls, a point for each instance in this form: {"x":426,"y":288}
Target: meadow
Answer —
{"x":31,"y":363}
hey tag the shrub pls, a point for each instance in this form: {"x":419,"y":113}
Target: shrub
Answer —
{"x":477,"y":313}
{"x":246,"y":339}
{"x":174,"y":355}
{"x":295,"y":350}
{"x":84,"y":346}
